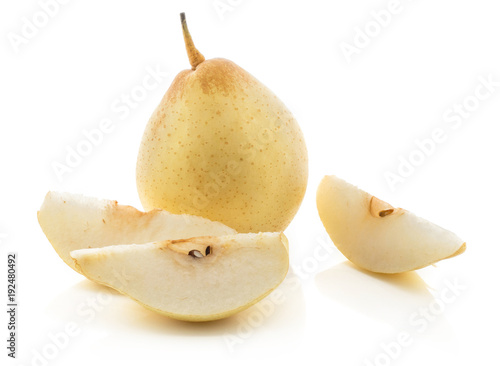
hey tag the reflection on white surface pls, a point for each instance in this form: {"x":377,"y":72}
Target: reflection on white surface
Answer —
{"x":409,"y":313}
{"x":388,"y":298}
{"x":107,"y":320}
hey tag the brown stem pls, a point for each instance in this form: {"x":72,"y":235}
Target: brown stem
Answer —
{"x":195,"y":57}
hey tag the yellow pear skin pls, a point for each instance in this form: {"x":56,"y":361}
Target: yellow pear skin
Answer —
{"x":221,"y":145}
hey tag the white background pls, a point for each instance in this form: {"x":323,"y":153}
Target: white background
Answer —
{"x":359,"y":119}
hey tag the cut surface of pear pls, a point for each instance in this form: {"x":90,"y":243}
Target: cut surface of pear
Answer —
{"x":197,"y":279}
{"x":378,"y":237}
{"x":221,"y":145}
{"x":72,"y":221}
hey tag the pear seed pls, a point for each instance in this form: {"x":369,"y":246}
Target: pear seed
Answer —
{"x":195,"y":253}
{"x":386,"y":212}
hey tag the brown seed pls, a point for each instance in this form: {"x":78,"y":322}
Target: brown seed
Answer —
{"x":386,"y":212}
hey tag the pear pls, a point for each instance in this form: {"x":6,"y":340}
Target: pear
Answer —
{"x":73,"y":222}
{"x":198,"y":279}
{"x":221,"y":145}
{"x":378,"y":237}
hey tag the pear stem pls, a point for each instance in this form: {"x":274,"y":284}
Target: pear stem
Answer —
{"x":195,"y":57}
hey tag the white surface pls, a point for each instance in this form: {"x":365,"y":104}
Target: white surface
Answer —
{"x":357,"y":118}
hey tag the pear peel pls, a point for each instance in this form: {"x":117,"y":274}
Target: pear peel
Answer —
{"x":378,"y":237}
{"x":72,"y":221}
{"x":221,"y":145}
{"x":239,"y":271}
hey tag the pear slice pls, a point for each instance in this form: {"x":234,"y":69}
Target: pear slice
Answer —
{"x":198,"y":279}
{"x":73,"y":222}
{"x":378,"y":237}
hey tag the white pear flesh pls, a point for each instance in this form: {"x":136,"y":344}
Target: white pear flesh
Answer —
{"x":378,"y":237}
{"x":184,"y":280}
{"x":72,"y":222}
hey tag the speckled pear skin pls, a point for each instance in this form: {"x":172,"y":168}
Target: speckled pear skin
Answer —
{"x":221,"y":145}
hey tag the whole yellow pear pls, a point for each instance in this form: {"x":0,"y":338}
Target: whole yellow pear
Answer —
{"x":221,"y":145}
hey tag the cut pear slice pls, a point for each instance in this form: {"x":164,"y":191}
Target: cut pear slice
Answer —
{"x":378,"y":237}
{"x":73,"y":222}
{"x":198,"y":279}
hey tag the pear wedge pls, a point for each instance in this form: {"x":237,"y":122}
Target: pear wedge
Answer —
{"x":378,"y":237}
{"x":198,"y":279}
{"x":73,"y":222}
